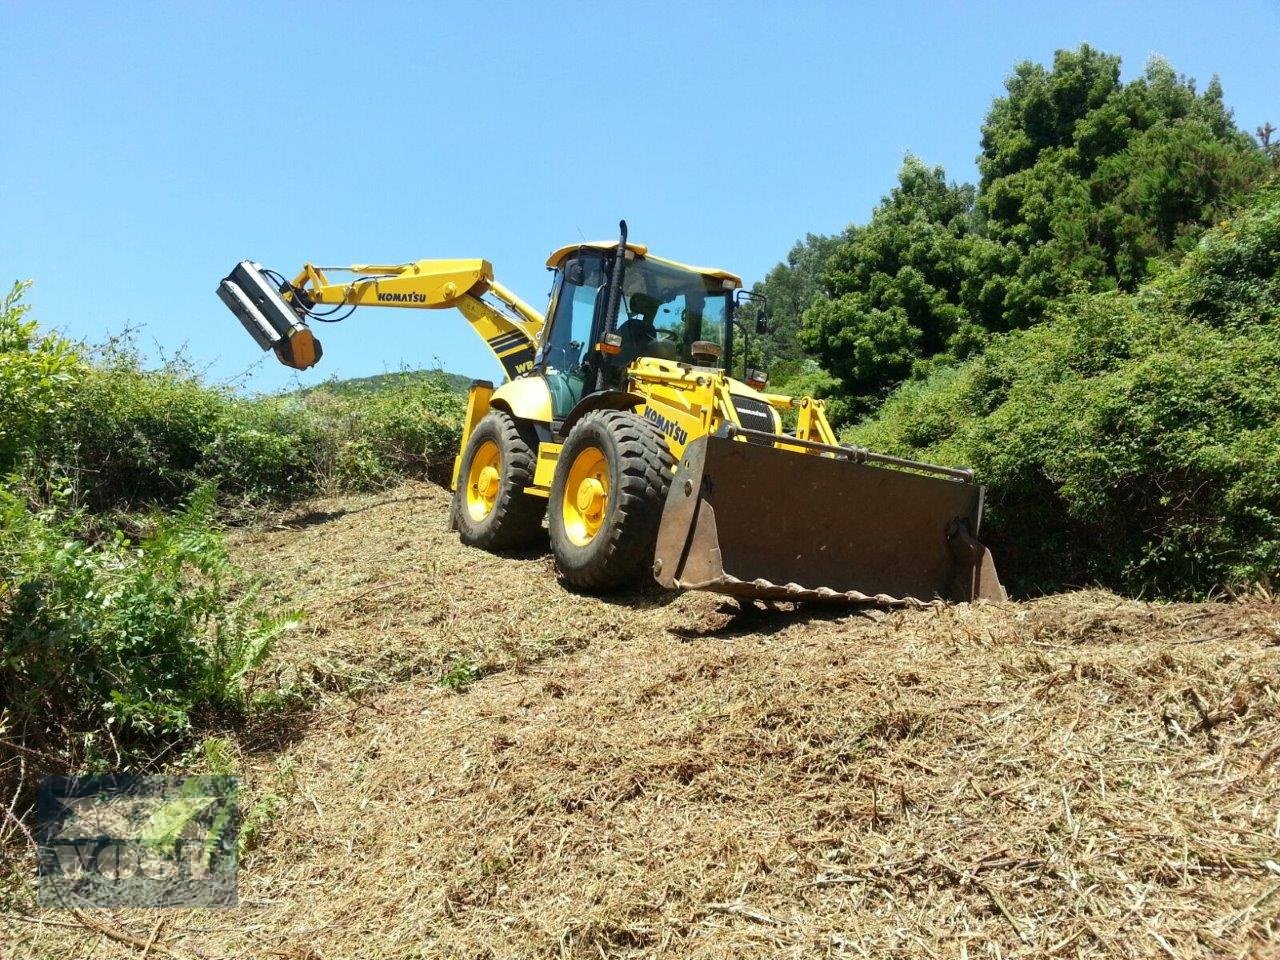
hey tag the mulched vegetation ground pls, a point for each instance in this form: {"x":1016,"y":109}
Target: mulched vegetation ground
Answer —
{"x":496,"y":767}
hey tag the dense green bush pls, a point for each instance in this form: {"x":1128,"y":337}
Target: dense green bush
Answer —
{"x":38,"y":376}
{"x":134,"y":438}
{"x":137,"y":437}
{"x":1132,"y":440}
{"x":132,"y":635}
{"x":804,"y":378}
{"x":128,"y":437}
{"x":410,"y":426}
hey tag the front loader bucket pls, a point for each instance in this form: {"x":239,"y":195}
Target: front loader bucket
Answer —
{"x":753,"y":520}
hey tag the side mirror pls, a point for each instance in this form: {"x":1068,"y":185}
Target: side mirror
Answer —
{"x":762,"y":322}
{"x":574,"y":274}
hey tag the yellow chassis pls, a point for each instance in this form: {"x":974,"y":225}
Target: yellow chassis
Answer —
{"x":685,"y":402}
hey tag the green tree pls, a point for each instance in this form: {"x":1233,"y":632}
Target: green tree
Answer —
{"x":1087,"y":184}
{"x":1090,"y":180}
{"x":898,"y":289}
{"x":789,"y":288}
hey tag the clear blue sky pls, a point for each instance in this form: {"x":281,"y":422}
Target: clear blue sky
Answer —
{"x":150,"y":146}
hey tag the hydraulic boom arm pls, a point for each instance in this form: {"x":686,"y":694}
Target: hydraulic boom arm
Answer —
{"x":276,"y":311}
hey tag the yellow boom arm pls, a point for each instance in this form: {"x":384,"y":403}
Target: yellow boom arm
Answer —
{"x":508,"y":325}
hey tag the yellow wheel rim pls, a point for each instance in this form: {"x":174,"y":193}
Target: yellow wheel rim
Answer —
{"x":484,"y":480}
{"x":586,"y":496}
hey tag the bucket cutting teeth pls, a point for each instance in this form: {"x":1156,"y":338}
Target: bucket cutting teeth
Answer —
{"x":821,"y":523}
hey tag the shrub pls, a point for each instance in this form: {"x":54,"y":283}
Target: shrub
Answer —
{"x":1131,"y":440}
{"x":410,"y":426}
{"x":804,"y":378}
{"x":137,"y":635}
{"x":262,"y":451}
{"x":38,"y":379}
{"x":134,"y":438}
{"x":131,"y":438}
{"x":143,"y":637}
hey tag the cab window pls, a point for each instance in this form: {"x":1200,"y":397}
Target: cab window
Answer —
{"x":566,"y":354}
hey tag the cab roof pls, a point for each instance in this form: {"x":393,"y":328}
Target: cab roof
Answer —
{"x":641,"y":251}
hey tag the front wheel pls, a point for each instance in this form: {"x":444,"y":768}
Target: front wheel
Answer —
{"x":490,"y":508}
{"x":606,"y":501}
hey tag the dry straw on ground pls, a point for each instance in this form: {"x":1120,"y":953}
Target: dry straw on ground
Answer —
{"x":653,"y":776}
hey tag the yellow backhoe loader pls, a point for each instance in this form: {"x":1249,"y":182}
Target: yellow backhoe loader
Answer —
{"x":619,"y":422}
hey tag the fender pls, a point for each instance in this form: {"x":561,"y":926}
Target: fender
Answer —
{"x":608,"y":400}
{"x":525,"y":398}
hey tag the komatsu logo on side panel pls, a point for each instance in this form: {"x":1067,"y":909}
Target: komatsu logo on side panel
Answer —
{"x":672,"y":429}
{"x":402,"y":298}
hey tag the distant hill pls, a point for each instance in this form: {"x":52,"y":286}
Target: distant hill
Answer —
{"x":382,"y":381}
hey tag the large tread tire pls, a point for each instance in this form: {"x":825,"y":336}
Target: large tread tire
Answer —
{"x":640,"y":467}
{"x":516,"y":517}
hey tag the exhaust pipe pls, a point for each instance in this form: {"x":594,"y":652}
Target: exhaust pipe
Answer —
{"x":271,"y":320}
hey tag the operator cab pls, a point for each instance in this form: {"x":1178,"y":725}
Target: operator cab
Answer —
{"x":666,"y":311}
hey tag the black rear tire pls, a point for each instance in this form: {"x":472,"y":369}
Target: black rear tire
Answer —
{"x":515,"y":517}
{"x":639,"y":466}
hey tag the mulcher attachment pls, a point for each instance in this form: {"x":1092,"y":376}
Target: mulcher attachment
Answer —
{"x":267,"y":316}
{"x":818,"y":522}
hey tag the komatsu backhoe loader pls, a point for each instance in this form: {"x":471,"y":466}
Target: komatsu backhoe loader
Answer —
{"x":619,"y":422}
